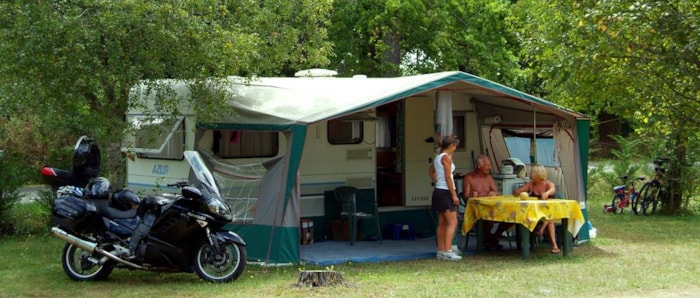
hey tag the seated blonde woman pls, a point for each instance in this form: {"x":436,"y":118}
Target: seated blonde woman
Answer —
{"x":543,"y":189}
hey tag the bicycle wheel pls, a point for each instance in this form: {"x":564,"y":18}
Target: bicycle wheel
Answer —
{"x":651,"y":208}
{"x":649,"y":198}
{"x":639,"y":198}
{"x":616,"y":207}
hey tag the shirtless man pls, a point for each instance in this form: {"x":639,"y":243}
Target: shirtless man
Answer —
{"x":479,"y":183}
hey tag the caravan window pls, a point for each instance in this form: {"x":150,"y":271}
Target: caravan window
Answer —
{"x":341,"y":131}
{"x":245,"y":144}
{"x":158,"y":137}
{"x":519,"y":147}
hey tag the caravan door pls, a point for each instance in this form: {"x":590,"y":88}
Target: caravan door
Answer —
{"x":418,"y":154}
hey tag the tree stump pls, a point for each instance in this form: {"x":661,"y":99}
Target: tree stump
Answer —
{"x":319,"y":278}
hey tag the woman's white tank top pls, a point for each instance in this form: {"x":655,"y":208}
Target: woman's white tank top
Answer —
{"x":441,"y":182}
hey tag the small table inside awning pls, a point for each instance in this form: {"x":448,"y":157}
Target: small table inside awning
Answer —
{"x":525,"y":213}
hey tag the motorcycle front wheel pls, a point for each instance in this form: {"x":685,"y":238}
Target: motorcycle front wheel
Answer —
{"x":82,"y":265}
{"x":223,"y":266}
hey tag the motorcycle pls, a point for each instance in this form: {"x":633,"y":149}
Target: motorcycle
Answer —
{"x":164,"y":233}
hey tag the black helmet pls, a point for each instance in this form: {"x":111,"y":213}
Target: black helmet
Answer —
{"x":86,"y":157}
{"x":98,"y":189}
{"x":124,"y":200}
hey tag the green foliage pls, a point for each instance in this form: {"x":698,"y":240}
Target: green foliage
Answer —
{"x":69,"y":66}
{"x":600,"y":180}
{"x":14,"y":174}
{"x":628,"y":162}
{"x":637,"y":60}
{"x":634,"y":59}
{"x":8,"y":198}
{"x":383,"y":38}
{"x":627,"y":158}
{"x":691,"y":183}
{"x":634,"y":159}
{"x":29,"y":219}
{"x":43,"y":207}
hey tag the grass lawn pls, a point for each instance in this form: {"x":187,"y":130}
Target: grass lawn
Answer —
{"x":639,"y":256}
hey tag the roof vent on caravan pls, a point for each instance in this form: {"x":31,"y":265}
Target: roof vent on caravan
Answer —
{"x":315,"y":72}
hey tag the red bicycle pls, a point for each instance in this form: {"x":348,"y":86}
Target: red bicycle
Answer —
{"x":624,"y":196}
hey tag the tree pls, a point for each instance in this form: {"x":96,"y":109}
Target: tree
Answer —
{"x":387,"y":38}
{"x":68,"y":66}
{"x":638,"y":60}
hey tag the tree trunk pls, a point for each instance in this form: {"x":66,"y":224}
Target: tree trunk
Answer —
{"x":608,"y":126}
{"x":392,"y":54}
{"x":319,"y":278}
{"x":675,"y":179}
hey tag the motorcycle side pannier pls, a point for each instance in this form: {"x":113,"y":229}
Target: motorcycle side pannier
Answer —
{"x":73,"y":213}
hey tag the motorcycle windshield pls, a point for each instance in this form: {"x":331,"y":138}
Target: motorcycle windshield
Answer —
{"x":201,"y":171}
{"x":80,"y":141}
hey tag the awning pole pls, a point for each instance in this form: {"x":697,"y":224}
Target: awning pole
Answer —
{"x":533,"y":145}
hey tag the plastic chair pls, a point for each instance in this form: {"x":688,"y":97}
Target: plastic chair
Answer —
{"x":460,"y":221}
{"x":348,"y":197}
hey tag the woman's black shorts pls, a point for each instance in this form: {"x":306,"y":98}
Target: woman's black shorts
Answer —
{"x":442,"y":201}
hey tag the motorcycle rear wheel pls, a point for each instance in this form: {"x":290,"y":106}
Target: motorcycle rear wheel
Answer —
{"x":220,"y":267}
{"x":82,"y":265}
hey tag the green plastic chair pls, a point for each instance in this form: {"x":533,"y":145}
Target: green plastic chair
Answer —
{"x":349,"y":197}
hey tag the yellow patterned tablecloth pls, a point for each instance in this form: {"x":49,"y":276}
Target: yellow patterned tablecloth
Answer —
{"x":524,"y":212}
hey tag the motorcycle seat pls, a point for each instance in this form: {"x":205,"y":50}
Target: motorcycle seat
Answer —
{"x":113,"y":213}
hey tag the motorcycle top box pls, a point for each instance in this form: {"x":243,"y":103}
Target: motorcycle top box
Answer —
{"x":86,"y":165}
{"x":56,"y":177}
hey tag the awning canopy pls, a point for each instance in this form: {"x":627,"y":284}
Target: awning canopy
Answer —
{"x":284,"y":101}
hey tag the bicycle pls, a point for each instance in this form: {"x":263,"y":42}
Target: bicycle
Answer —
{"x":625,"y":195}
{"x":653,"y":191}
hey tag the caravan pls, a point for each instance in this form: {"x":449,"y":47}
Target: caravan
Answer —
{"x":287,"y":143}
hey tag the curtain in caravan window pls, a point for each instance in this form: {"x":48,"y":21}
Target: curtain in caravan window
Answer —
{"x":342,"y":131}
{"x":241,"y":144}
{"x":383,"y":133}
{"x":458,"y":125}
{"x":495,"y":145}
{"x":565,"y":151}
{"x":443,"y":116}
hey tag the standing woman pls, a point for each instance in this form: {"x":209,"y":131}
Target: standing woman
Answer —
{"x":444,"y":199}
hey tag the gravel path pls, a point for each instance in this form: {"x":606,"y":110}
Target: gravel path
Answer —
{"x":31,"y":193}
